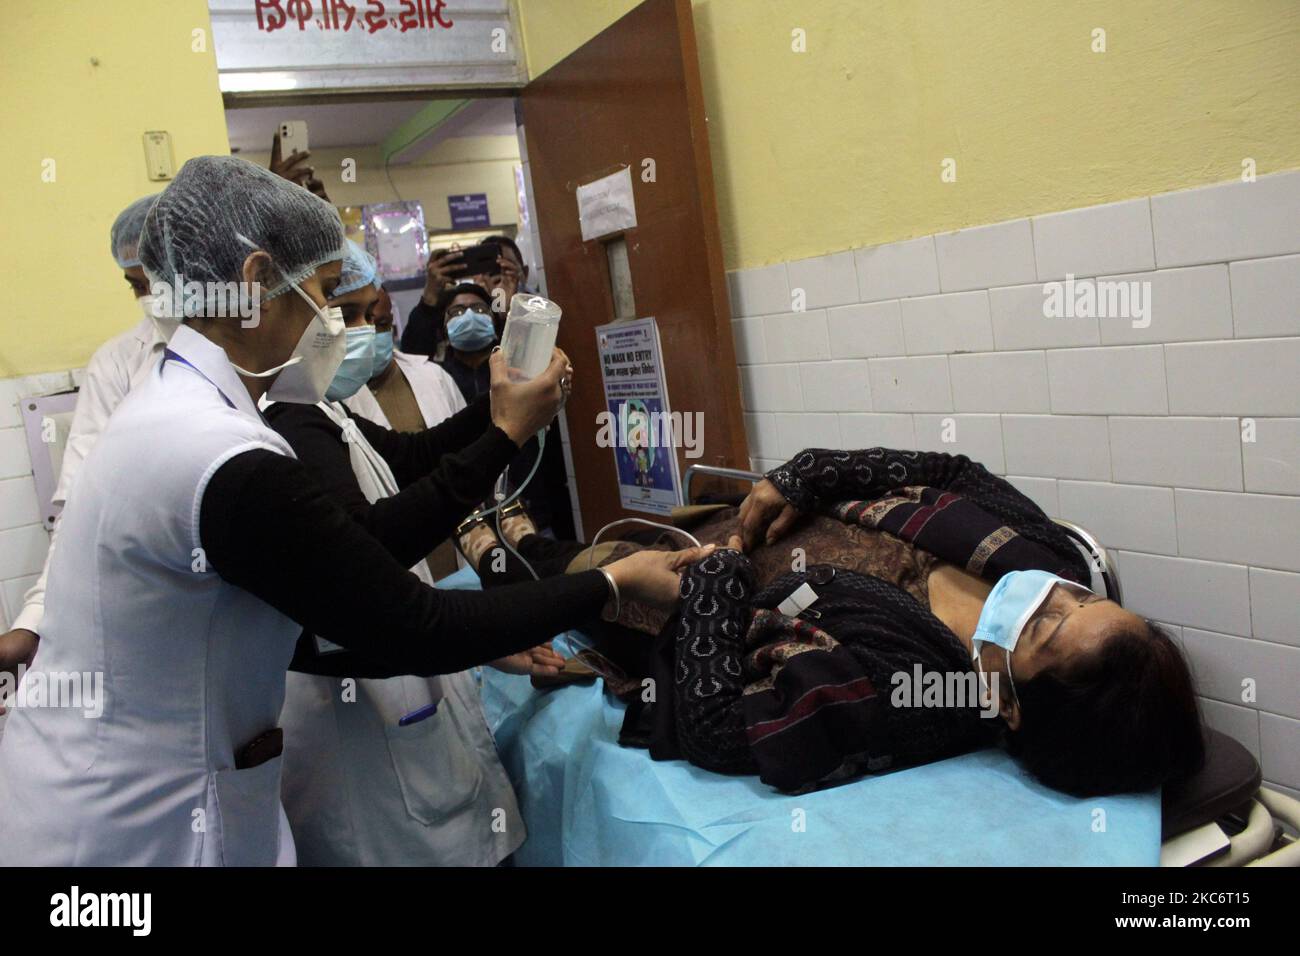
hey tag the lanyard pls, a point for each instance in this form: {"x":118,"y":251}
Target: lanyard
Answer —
{"x":169,"y":354}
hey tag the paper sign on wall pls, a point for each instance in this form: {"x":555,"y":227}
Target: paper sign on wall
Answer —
{"x":469,"y":212}
{"x":606,"y":206}
{"x":636,"y":422}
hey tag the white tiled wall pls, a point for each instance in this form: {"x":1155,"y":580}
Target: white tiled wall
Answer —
{"x":1136,"y":433}
{"x":23,"y":539}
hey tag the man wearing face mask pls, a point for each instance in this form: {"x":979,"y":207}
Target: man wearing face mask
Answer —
{"x":425,"y":332}
{"x":116,"y":366}
{"x":466,"y":313}
{"x":197,"y":549}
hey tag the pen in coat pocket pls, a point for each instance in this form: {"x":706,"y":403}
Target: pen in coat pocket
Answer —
{"x":415,"y":716}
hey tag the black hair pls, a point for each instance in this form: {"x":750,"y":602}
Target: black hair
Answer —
{"x":449,"y":294}
{"x":1120,"y":719}
{"x":507,"y":241}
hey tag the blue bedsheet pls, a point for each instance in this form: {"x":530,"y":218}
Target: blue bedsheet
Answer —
{"x":588,"y":801}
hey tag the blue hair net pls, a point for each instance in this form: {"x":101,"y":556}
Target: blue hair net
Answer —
{"x":219,"y":209}
{"x":124,"y":237}
{"x":359,"y":269}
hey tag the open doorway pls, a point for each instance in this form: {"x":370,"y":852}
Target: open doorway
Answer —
{"x":417,"y":101}
{"x":458,"y":159}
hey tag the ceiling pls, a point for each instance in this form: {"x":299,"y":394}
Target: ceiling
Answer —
{"x":365,"y":124}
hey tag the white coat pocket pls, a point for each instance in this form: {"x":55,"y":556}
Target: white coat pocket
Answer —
{"x":438,"y":776}
{"x":248,"y":809}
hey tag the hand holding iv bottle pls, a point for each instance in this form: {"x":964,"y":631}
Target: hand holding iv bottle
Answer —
{"x":531,"y":328}
{"x":530,"y":377}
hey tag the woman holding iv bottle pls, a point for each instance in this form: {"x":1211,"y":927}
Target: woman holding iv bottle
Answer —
{"x":199,"y":548}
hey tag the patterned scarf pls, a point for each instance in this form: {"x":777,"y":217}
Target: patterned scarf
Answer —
{"x":957,"y":530}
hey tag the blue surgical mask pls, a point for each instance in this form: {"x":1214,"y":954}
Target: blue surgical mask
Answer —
{"x":471,"y":331}
{"x":358,"y":365}
{"x":1009,"y":607}
{"x":383,"y":350}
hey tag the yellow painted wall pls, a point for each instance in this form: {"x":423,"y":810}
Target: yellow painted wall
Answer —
{"x":56,"y":102}
{"x":841,"y":146}
{"x":814,"y":152}
{"x":463,"y":164}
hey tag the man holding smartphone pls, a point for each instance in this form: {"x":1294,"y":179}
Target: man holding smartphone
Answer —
{"x":295,"y":169}
{"x":495,"y":264}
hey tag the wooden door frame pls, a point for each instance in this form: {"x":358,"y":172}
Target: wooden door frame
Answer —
{"x":727,"y":444}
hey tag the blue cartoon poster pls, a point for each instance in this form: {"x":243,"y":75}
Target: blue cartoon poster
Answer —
{"x":638,"y":424}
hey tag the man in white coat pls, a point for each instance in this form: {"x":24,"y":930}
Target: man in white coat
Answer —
{"x":117,"y":366}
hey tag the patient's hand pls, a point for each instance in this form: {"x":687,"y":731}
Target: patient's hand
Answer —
{"x":540,"y":660}
{"x":652,"y":577}
{"x":765,"y":515}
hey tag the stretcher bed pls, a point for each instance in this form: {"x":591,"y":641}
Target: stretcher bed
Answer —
{"x":589,"y":802}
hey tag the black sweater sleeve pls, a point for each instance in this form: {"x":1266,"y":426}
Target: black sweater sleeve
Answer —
{"x":266,"y":526}
{"x":820,"y":477}
{"x":444,"y":471}
{"x":412,"y":455}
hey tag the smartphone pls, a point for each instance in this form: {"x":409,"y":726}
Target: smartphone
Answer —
{"x":293,"y":138}
{"x":481,"y":260}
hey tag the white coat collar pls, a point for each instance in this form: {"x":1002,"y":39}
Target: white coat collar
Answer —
{"x":210,"y":359}
{"x":432,"y":410}
{"x":146,"y":333}
{"x":409,"y":358}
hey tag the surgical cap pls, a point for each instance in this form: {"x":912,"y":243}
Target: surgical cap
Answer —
{"x":359,"y":269}
{"x":125,"y":234}
{"x":219,"y":209}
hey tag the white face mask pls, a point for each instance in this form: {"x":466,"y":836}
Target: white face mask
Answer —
{"x":314,"y":360}
{"x":165,"y":326}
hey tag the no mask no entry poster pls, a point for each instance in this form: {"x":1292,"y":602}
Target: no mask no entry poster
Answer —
{"x":638,"y":423}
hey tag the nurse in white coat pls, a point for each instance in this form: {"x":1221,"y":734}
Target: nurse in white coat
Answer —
{"x":195,"y":549}
{"x":117,"y":366}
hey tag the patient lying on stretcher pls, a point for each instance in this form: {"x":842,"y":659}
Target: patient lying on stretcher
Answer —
{"x":873,"y":609}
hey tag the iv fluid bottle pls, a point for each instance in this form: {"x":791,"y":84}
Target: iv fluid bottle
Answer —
{"x":529,"y":338}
